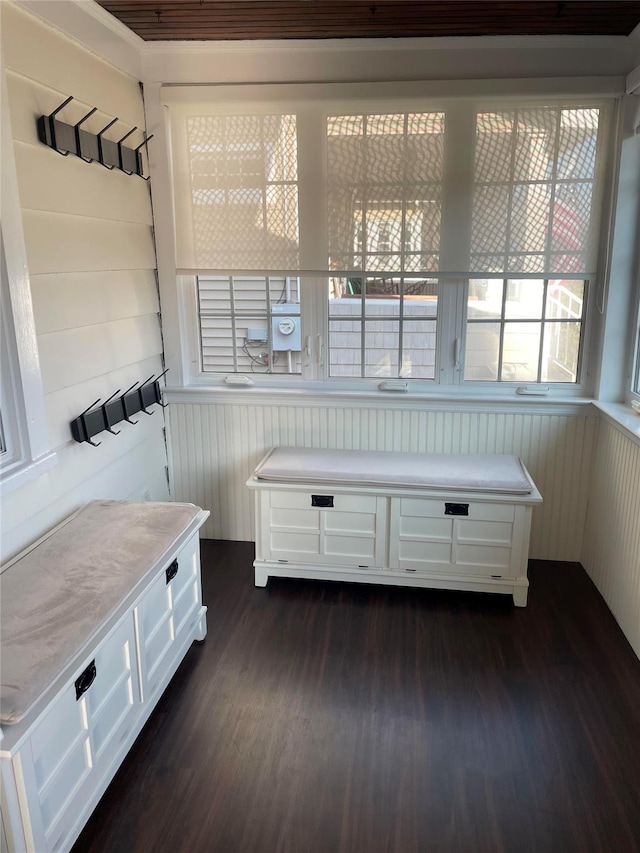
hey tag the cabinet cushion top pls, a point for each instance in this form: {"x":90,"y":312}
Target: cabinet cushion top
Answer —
{"x":57,"y":595}
{"x":498,"y":474}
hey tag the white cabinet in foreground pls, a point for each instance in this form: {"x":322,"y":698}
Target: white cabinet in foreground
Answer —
{"x":97,"y":617}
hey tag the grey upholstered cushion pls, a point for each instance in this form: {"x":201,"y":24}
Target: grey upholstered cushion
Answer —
{"x":455,"y":472}
{"x":60,"y":593}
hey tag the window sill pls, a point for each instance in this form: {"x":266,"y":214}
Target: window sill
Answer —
{"x":622,"y":417}
{"x":376,"y":399}
{"x":25,"y":472}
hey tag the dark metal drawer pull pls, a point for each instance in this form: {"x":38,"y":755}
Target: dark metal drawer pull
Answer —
{"x":172,"y":571}
{"x":83,"y":682}
{"x":456,"y":509}
{"x":321,"y":500}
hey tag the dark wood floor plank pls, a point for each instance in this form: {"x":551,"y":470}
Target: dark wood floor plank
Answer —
{"x":342,"y":718}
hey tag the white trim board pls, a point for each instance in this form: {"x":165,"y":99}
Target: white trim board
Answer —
{"x":36,"y":449}
{"x":622,"y":417}
{"x":633,"y":81}
{"x":302,"y":398}
{"x":88,"y":24}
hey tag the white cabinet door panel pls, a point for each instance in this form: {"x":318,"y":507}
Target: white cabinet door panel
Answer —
{"x":57,"y":735}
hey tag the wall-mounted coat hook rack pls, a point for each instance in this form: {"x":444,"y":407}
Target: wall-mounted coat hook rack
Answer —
{"x":99,"y":416}
{"x":91,"y":147}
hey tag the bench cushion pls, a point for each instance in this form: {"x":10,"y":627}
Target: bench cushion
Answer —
{"x":453,"y":472}
{"x":57,"y":595}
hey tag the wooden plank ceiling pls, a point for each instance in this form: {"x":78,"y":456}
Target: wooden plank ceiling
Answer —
{"x":213,"y":20}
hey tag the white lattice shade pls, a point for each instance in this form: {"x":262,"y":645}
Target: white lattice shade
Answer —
{"x":239,"y":181}
{"x":314,"y":187}
{"x":384,"y":177}
{"x":535,"y":171}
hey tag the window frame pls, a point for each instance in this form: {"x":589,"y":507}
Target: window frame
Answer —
{"x":449,"y":379}
{"x":22,"y":392}
{"x":545,"y":323}
{"x":634,"y":388}
{"x":449,"y":358}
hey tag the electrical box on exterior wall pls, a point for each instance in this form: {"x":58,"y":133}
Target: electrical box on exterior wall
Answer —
{"x":285,"y":327}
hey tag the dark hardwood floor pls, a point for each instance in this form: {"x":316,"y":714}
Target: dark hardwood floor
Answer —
{"x":341,"y":718}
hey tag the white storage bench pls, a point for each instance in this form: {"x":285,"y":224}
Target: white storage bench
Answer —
{"x":96,"y":618}
{"x":450,"y":521}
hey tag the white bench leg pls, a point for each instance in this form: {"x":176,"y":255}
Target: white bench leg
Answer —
{"x":262,"y":576}
{"x":520,"y":596}
{"x":201,"y":631}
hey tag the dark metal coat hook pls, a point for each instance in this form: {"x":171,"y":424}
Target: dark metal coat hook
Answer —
{"x":141,"y":395}
{"x":76,"y":129}
{"x":143,"y":144}
{"x":157,"y":380}
{"x":107,"y":421}
{"x":101,"y":144}
{"x":124,"y":405}
{"x":83,"y":424}
{"x":52,"y":126}
{"x":66,"y":138}
{"x":120,"y":155}
{"x":99,"y":417}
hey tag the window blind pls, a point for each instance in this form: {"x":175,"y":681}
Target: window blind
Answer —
{"x":515,"y":189}
{"x":237,"y":176}
{"x":534,"y":177}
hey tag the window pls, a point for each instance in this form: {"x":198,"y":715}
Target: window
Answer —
{"x":22,"y":438}
{"x":249,"y":324}
{"x":524,"y":331}
{"x":10,"y":450}
{"x":24,"y":447}
{"x":243,"y":210}
{"x":450,"y":244}
{"x":383,"y":327}
{"x":635,"y":384}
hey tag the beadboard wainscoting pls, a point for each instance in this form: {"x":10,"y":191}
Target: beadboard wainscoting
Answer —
{"x":215,"y":448}
{"x":611,"y":553}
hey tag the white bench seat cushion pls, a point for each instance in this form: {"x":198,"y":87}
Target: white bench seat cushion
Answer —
{"x":57,"y":595}
{"x":497,"y":474}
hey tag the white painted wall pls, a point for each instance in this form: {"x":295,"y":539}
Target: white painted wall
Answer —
{"x":611,"y":552}
{"x":216,"y":447}
{"x":91,"y":262}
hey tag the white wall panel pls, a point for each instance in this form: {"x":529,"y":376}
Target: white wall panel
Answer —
{"x":121,"y":477}
{"x":68,"y":300}
{"x":91,"y":264}
{"x":75,"y":187}
{"x":80,"y":463}
{"x":216,"y":447}
{"x":74,"y":355}
{"x":57,"y":242}
{"x":40,"y":53}
{"x":611,"y":553}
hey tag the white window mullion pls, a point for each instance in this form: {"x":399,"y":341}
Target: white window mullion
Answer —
{"x":315,"y":327}
{"x":312,"y":189}
{"x":314,"y":239}
{"x":457,"y":187}
{"x":450,"y":334}
{"x":552,"y":200}
{"x":455,"y":241}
